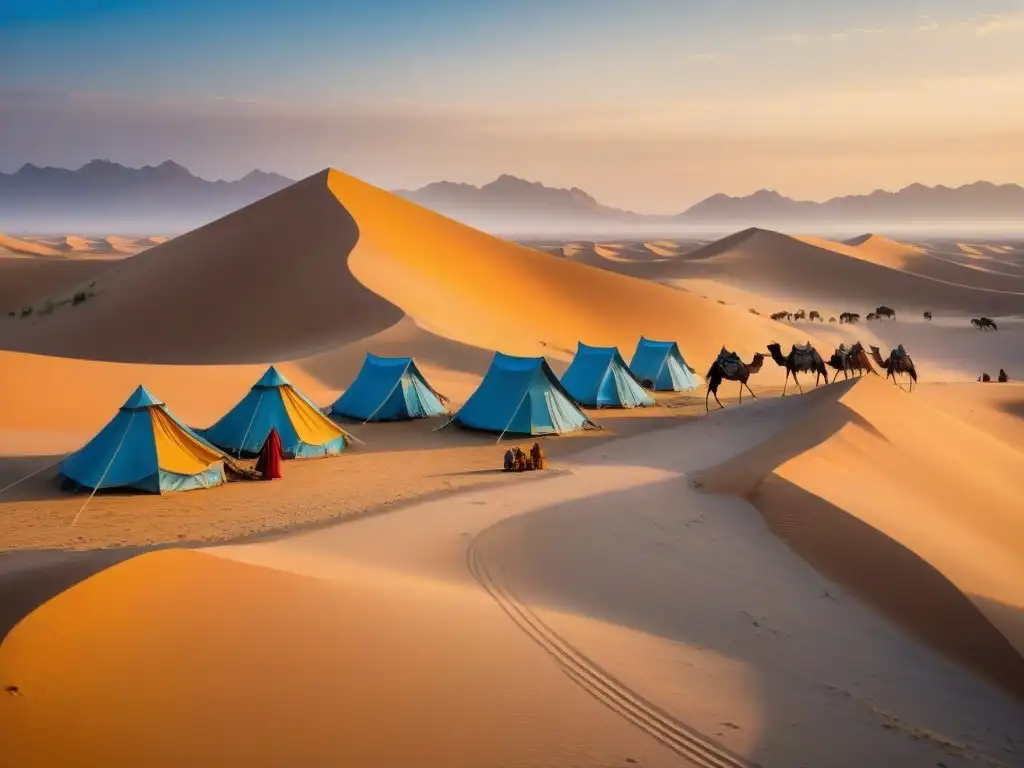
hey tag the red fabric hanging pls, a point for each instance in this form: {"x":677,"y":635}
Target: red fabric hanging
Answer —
{"x":269,"y":462}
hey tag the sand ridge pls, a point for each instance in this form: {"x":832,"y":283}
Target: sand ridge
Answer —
{"x":26,"y":247}
{"x":900,"y":467}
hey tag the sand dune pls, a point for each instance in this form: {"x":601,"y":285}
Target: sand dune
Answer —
{"x":872,"y":465}
{"x":352,"y":274}
{"x":75,"y":243}
{"x":29,"y":281}
{"x":810,"y":270}
{"x":604,"y":613}
{"x":123,"y":244}
{"x":26,"y":247}
{"x":271,"y":669}
{"x":735,"y":645}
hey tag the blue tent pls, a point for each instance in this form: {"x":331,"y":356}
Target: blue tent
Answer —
{"x":273,"y":402}
{"x":522,"y":396}
{"x":599,"y":377}
{"x":145,"y":447}
{"x":389,"y":389}
{"x":661,"y":367}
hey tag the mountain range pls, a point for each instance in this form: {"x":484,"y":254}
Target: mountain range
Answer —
{"x":104,"y":196}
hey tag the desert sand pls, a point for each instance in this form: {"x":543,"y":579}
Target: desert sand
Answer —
{"x":832,"y":578}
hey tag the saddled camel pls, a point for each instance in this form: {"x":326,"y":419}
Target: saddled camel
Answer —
{"x":854,"y":360}
{"x":898,"y":362}
{"x":729,"y":367}
{"x":802,"y":358}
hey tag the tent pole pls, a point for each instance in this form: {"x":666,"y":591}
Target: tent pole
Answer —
{"x":107,"y":469}
{"x":438,"y":429}
{"x":251,"y":420}
{"x":386,"y":398}
{"x":525,"y":395}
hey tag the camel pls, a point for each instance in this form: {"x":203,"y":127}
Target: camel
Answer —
{"x":780,"y":316}
{"x":871,"y":316}
{"x":984,"y":323}
{"x":898,"y":362}
{"x":884,"y":311}
{"x":849,"y":317}
{"x":801,"y":359}
{"x":1003,"y":378}
{"x":729,"y":367}
{"x":799,"y":315}
{"x":928,"y":316}
{"x":852,"y":360}
{"x":815,"y":315}
{"x":984,"y":377}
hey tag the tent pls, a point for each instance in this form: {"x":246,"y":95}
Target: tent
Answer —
{"x":522,"y":396}
{"x":389,"y":389}
{"x":274,"y":403}
{"x":662,"y":365}
{"x":146,"y":448}
{"x":599,"y":377}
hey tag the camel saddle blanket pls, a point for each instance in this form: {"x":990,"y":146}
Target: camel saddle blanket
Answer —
{"x":803,"y":356}
{"x":730,"y":363}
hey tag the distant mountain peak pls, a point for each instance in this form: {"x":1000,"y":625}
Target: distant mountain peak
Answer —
{"x":105,"y":194}
{"x":514,"y":198}
{"x":979,"y":201}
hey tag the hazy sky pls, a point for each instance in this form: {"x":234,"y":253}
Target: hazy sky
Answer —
{"x":646,"y":104}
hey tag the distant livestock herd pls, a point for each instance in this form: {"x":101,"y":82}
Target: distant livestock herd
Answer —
{"x":851,"y":318}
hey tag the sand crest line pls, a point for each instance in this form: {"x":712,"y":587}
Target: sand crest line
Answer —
{"x":616,"y":696}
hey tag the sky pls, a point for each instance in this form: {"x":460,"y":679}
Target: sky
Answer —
{"x":649,"y":105}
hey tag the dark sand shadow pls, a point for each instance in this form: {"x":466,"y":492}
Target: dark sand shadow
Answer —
{"x":752,"y":628}
{"x":32,"y":577}
{"x":293,"y":313}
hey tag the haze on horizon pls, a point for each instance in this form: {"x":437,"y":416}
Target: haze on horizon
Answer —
{"x":647,"y":105}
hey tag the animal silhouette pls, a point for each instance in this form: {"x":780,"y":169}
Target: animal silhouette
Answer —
{"x":802,"y":358}
{"x":898,"y":363}
{"x":729,"y":367}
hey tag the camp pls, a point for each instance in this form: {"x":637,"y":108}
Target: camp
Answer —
{"x":661,"y":367}
{"x":146,"y":448}
{"x":598,"y":377}
{"x":522,"y":396}
{"x":389,"y":389}
{"x":273,"y":402}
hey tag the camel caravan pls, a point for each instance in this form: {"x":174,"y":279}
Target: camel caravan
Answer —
{"x":804,"y":358}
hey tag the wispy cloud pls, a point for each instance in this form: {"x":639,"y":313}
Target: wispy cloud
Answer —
{"x":704,"y":56}
{"x":998,"y":23}
{"x":806,"y":38}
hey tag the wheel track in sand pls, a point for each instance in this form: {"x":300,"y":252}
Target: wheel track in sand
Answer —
{"x":618,"y":697}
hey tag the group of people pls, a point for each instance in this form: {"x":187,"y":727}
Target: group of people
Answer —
{"x":517,"y":460}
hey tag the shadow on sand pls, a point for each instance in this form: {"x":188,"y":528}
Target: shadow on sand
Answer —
{"x":716,"y":585}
